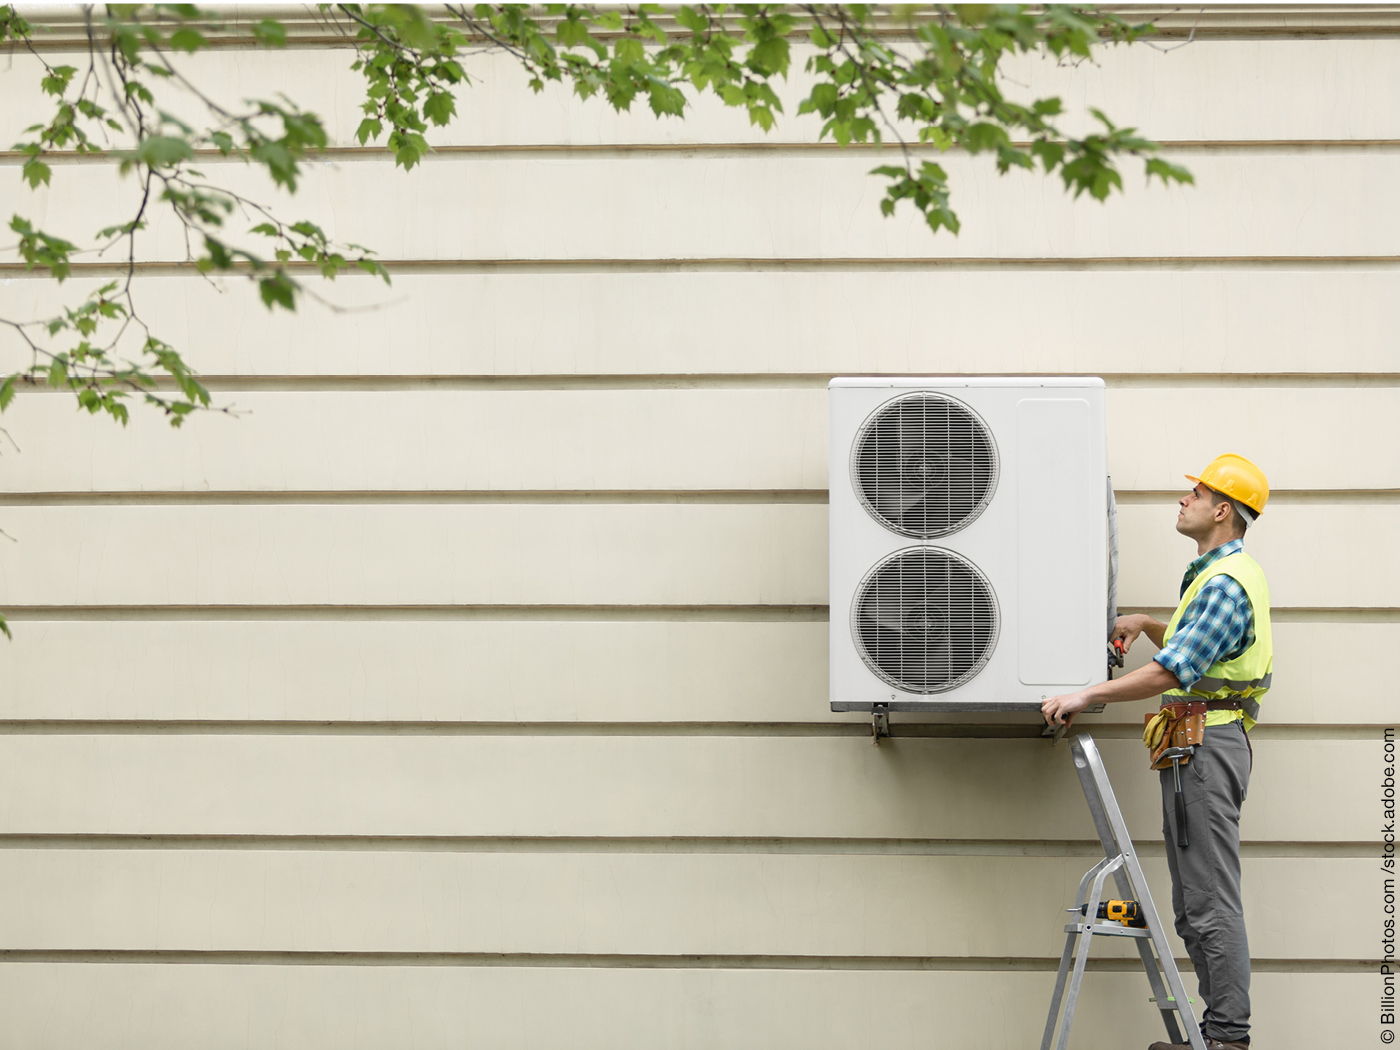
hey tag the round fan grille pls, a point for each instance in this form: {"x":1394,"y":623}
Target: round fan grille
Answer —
{"x":924,"y":465}
{"x":925,"y":620}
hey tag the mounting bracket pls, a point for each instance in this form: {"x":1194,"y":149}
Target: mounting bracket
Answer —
{"x":879,"y":722}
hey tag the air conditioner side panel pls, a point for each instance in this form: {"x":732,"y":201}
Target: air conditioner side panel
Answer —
{"x":1055,"y":551}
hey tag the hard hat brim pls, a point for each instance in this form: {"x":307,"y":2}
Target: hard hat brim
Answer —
{"x":1241,"y":502}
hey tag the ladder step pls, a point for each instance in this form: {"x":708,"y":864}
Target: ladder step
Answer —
{"x":1109,"y":931}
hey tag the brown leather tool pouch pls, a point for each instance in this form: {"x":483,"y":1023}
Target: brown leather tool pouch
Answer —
{"x":1186,"y":727}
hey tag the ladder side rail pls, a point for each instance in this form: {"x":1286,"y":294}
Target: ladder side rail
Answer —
{"x":1111,"y":846}
{"x":1159,"y":990}
{"x":1080,"y":897}
{"x":1098,"y":810}
{"x":1088,"y":750}
{"x":1061,"y":977}
{"x":1081,"y":961}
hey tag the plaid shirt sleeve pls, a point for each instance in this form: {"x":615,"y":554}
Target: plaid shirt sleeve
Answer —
{"x":1219,"y":624}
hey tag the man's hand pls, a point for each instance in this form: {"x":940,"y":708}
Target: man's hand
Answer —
{"x":1060,"y":710}
{"x":1127,"y":628}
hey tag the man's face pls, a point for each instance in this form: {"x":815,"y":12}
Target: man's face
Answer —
{"x":1197,"y":516}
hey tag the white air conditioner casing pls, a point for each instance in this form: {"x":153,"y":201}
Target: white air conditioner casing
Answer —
{"x":1025,"y":547}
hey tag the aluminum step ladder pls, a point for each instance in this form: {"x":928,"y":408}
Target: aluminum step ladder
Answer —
{"x":1120,"y":861}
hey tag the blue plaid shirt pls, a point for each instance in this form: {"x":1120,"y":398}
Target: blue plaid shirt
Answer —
{"x":1217,"y":625}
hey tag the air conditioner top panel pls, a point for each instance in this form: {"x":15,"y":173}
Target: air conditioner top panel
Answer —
{"x":945,"y":382}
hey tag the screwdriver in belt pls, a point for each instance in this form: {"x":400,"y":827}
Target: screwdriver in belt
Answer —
{"x":1126,"y":912}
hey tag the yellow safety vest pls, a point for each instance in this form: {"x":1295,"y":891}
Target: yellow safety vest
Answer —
{"x":1249,"y":675}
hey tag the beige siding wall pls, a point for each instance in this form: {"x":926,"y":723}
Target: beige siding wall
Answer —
{"x":470,"y":686}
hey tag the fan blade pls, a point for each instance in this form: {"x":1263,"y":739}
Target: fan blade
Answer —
{"x":888,"y":619}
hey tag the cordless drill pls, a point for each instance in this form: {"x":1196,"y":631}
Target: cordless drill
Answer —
{"x":1126,"y":912}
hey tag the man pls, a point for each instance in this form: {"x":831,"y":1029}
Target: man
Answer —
{"x":1218,"y":646}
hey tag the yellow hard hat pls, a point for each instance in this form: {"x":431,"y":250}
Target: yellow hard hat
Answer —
{"x":1237,"y":478}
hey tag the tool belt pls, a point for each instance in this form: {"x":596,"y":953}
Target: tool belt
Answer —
{"x":1180,"y":724}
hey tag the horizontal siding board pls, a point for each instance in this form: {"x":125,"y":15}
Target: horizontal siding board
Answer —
{"x":538,"y":671}
{"x":1278,"y":89}
{"x":466,"y":671}
{"x":654,"y":439}
{"x":231,"y":1007}
{"x":493,"y":554}
{"x":1249,"y":319}
{"x":785,"y":206}
{"x":1291,"y":544}
{"x":666,"y":439}
{"x":634,"y":785}
{"x":656,"y":904}
{"x":581,"y":554}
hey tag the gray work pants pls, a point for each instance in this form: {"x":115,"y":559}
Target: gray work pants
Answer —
{"x":1206,"y":876}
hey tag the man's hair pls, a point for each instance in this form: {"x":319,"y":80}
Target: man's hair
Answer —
{"x":1244,"y":517}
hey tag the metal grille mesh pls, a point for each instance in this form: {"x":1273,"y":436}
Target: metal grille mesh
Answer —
{"x":924,"y":465}
{"x":925,"y":620}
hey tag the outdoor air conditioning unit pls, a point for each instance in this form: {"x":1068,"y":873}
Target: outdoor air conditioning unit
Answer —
{"x":969,"y":540}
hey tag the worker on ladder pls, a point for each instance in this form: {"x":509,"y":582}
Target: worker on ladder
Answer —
{"x":1217,"y":648}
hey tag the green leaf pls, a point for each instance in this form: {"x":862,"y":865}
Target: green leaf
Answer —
{"x":186,"y":39}
{"x":270,"y":33}
{"x":770,"y":57}
{"x":281,"y":164}
{"x":163,"y":151}
{"x":440,"y":108}
{"x":35,"y":172}
{"x":7,"y":393}
{"x":116,"y":409}
{"x":691,"y":19}
{"x":112,"y":231}
{"x":309,"y":229}
{"x":5,"y":629}
{"x":372,"y":267}
{"x":572,"y":32}
{"x":1168,"y":173}
{"x":57,"y":81}
{"x":278,"y":290}
{"x":983,"y":136}
{"x":411,"y":25}
{"x":369,"y":129}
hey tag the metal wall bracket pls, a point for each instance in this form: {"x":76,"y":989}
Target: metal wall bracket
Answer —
{"x":879,"y":721}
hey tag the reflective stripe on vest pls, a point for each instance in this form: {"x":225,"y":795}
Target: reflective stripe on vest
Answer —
{"x":1249,"y":675}
{"x":1210,"y":685}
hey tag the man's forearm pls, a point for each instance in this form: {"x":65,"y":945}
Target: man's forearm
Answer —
{"x":1154,"y":629}
{"x":1136,"y":685}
